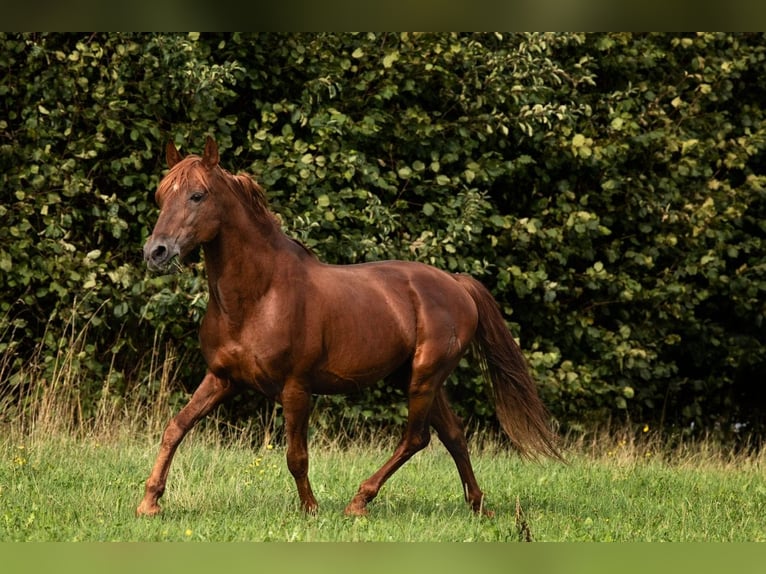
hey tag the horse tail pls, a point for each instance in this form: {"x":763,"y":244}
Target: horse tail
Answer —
{"x":519,"y":409}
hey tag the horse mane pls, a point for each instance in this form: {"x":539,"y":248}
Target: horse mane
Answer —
{"x":252,"y":194}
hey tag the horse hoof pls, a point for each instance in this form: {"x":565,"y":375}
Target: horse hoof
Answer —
{"x":481,"y":510}
{"x":147,"y":509}
{"x":356,"y":510}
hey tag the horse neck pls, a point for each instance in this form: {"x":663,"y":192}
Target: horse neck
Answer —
{"x":242,"y":260}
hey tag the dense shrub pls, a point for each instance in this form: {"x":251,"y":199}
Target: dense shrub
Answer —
{"x":608,"y":188}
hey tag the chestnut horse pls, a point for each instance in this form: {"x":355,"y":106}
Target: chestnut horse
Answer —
{"x":282,"y":322}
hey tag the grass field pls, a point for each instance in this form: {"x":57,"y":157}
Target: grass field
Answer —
{"x":64,"y":482}
{"x":61,"y":488}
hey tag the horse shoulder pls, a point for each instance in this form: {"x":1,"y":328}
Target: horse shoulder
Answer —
{"x":244,"y":349}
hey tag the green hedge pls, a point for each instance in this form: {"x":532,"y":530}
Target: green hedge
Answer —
{"x":608,"y":188}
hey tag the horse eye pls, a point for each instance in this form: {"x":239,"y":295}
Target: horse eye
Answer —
{"x":196,"y":197}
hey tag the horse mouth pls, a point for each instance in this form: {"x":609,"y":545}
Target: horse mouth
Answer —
{"x":161,"y":256}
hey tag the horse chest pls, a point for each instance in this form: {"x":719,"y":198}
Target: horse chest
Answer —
{"x":243,"y":356}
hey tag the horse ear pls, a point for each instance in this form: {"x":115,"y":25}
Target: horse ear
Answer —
{"x":210,"y":156}
{"x":172,"y":156}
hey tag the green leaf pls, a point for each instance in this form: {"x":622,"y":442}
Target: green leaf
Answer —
{"x":390,"y":58}
{"x":500,"y":221}
{"x":6,"y":262}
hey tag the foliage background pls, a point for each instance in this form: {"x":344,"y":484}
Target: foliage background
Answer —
{"x":608,"y":188}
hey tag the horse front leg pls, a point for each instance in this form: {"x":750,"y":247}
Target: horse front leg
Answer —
{"x":208,"y":395}
{"x":296,"y":404}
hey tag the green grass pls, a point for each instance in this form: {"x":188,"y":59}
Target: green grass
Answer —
{"x":60,"y":488}
{"x":67,"y":477}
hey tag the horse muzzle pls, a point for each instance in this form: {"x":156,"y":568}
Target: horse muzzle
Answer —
{"x":160,"y":253}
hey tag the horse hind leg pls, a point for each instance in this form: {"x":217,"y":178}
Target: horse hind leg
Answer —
{"x":423,"y":388}
{"x":208,"y":395}
{"x":450,"y":431}
{"x":415,"y":438}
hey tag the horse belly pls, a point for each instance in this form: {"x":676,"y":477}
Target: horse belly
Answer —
{"x":340,"y":379}
{"x":357,"y":353}
{"x":364,"y":367}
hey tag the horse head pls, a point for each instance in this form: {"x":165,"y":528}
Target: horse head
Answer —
{"x":189,"y":217}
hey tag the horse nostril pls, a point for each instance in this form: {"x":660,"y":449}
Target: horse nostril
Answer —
{"x":155,"y":254}
{"x":159,"y":253}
